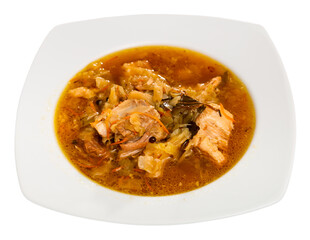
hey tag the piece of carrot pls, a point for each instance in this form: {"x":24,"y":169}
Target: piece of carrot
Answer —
{"x":138,"y":170}
{"x":117,"y":169}
{"x":116,"y":121}
{"x":105,"y":88}
{"x":119,"y":142}
{"x":117,"y":90}
{"x":168,"y":113}
{"x":91,"y":103}
{"x":148,"y":185}
{"x":224,"y":114}
{"x":107,"y":124}
{"x":112,"y":123}
{"x":72,"y":111}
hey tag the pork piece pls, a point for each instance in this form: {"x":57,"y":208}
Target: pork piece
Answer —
{"x":130,"y":106}
{"x":133,"y":120}
{"x":139,"y":119}
{"x":101,"y":128}
{"x":136,"y":116}
{"x":102,"y":83}
{"x":93,"y":148}
{"x":125,"y":154}
{"x":91,"y":145}
{"x":139,"y":144}
{"x":215,"y":125}
{"x":82,"y":92}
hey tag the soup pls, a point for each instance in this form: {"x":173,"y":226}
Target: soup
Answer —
{"x":154,"y":120}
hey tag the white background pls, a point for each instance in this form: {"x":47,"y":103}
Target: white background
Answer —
{"x":24,"y":25}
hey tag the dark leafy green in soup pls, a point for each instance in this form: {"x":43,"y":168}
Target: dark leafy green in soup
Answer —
{"x":154,"y":120}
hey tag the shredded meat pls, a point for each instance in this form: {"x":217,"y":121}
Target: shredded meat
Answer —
{"x":214,"y":132}
{"x":140,"y":144}
{"x":94,"y":149}
{"x":91,"y":145}
{"x":124,"y":154}
{"x":132,"y":120}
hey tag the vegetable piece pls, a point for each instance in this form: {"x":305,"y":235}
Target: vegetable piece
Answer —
{"x":114,"y":97}
{"x":102,"y":83}
{"x":156,"y":155}
{"x":184,"y":144}
{"x":157,"y":91}
{"x":152,"y":165}
{"x":141,"y":95}
{"x":187,"y":101}
{"x":82,"y":92}
{"x":175,"y":101}
{"x":166,"y":106}
{"x":117,"y":169}
{"x":119,"y":142}
{"x":225,"y":114}
{"x":91,"y":103}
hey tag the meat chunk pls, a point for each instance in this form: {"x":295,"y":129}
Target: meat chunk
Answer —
{"x":215,"y":125}
{"x":139,"y":144}
{"x":140,"y":120}
{"x":91,"y":145}
{"x":94,"y":149}
{"x":136,"y":116}
{"x":133,"y":120}
{"x":130,"y":106}
{"x":101,"y":128}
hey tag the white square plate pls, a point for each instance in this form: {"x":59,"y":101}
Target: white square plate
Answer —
{"x":259,"y":179}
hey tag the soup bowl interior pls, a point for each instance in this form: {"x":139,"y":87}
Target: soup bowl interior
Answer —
{"x":259,"y":179}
